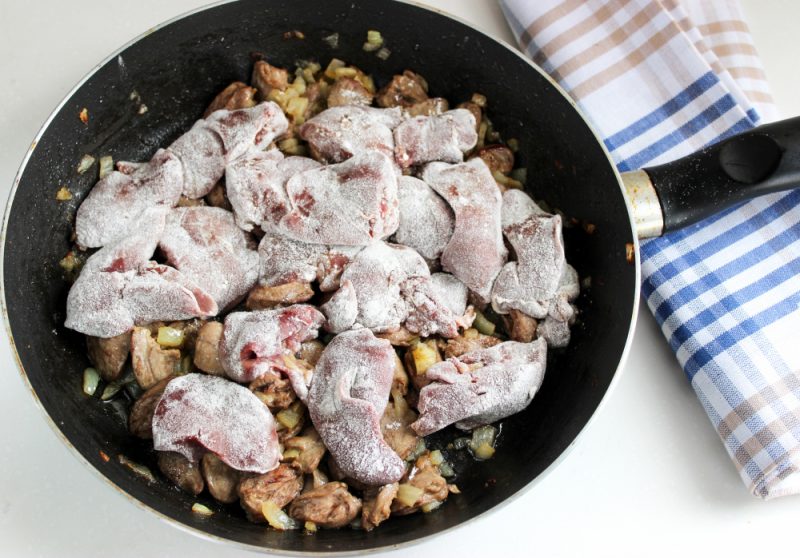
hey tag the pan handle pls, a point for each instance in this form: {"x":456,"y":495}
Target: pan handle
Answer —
{"x":759,"y":161}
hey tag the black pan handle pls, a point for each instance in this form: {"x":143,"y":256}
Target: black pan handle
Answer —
{"x":760,"y":161}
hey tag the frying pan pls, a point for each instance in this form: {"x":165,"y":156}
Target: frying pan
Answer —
{"x":175,"y":71}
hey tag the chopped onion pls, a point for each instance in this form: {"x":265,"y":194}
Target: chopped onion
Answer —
{"x":276,"y":517}
{"x":310,"y":526}
{"x":384,"y":53}
{"x":106,"y":166}
{"x":140,"y":470}
{"x":63,"y":194}
{"x":430,"y":506}
{"x":425,"y":355}
{"x":200,"y":509}
{"x":86,"y":162}
{"x":332,"y":40}
{"x":482,"y":324}
{"x":482,"y":443}
{"x":408,"y":494}
{"x":111,"y":390}
{"x":436,"y":457}
{"x":446,"y":470}
{"x":170,"y":337}
{"x":91,"y":379}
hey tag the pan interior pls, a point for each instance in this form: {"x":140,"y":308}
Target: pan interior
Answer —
{"x":175,"y":71}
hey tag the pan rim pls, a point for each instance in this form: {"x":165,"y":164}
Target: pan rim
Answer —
{"x":245,"y":546}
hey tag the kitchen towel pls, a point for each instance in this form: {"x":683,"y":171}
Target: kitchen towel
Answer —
{"x":659,"y":80}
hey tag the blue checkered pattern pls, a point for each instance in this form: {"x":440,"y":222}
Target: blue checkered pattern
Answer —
{"x":725,"y":292}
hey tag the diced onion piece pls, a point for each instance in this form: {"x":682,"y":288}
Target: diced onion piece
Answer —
{"x":513,"y":144}
{"x":384,"y":53}
{"x":111,"y":390}
{"x":291,"y":454}
{"x":471,"y":333}
{"x":106,"y":166}
{"x":200,"y":509}
{"x":482,"y":443}
{"x":63,"y":194}
{"x":276,"y":517}
{"x":418,"y":450}
{"x":436,"y":457}
{"x":408,"y":494}
{"x":520,"y":175}
{"x":334,"y":65}
{"x":453,"y":489}
{"x":483,"y":451}
{"x":187,"y":365}
{"x":482,"y":324}
{"x":332,"y":40}
{"x":374,"y":37}
{"x":430,"y":506}
{"x":288,"y":418}
{"x":91,"y":379}
{"x":479,"y":100}
{"x":296,"y":108}
{"x":138,"y":469}
{"x":86,"y":162}
{"x":446,"y":470}
{"x":310,"y":526}
{"x":425,"y":355}
{"x":344,"y":72}
{"x":170,"y":337}
{"x":506,"y":181}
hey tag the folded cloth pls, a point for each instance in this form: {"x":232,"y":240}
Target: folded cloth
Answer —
{"x":660,"y":79}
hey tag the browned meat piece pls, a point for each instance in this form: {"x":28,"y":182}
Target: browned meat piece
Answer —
{"x":274,"y":391}
{"x":237,"y":95}
{"x":425,"y":476}
{"x":521,"y":327}
{"x":318,"y":478}
{"x":309,"y":448}
{"x":206,"y":350}
{"x":475,"y":253}
{"x":400,"y":378}
{"x":266,"y":78}
{"x":183,"y":201}
{"x":316,"y":100}
{"x":221,"y":479}
{"x":310,"y":351}
{"x":281,"y":486}
{"x":217,"y":197}
{"x":151,"y":363}
{"x":481,"y":387}
{"x":469,"y":341}
{"x":395,"y":426}
{"x":349,"y":91}
{"x":183,"y":473}
{"x":429,"y":107}
{"x":476,"y":112}
{"x":399,"y":338}
{"x":377,"y":505}
{"x":262,"y":297}
{"x":403,"y":91}
{"x":330,"y":505}
{"x":109,"y":355}
{"x":498,"y":158}
{"x":140,"y":420}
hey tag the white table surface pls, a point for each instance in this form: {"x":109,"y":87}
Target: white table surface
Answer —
{"x":648,"y":477}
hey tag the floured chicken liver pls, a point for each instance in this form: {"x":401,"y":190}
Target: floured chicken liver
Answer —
{"x":443,"y":137}
{"x":481,"y":387}
{"x":475,"y":253}
{"x":119,"y":287}
{"x":262,"y":341}
{"x":385,"y":286}
{"x":222,"y":137}
{"x":426,"y":221}
{"x":284,"y":260}
{"x":529,"y":284}
{"x":205,"y":245}
{"x":351,"y":203}
{"x":346,"y":401}
{"x":555,"y":328}
{"x":199,"y":413}
{"x":119,"y":199}
{"x":339,"y":133}
{"x":256,"y":186}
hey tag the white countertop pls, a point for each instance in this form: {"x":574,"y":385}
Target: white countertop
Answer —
{"x":648,"y":477}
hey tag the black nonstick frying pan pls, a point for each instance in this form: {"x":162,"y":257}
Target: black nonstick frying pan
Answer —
{"x":177,"y":69}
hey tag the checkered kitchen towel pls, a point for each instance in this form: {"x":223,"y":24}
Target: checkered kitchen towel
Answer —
{"x":660,"y":79}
